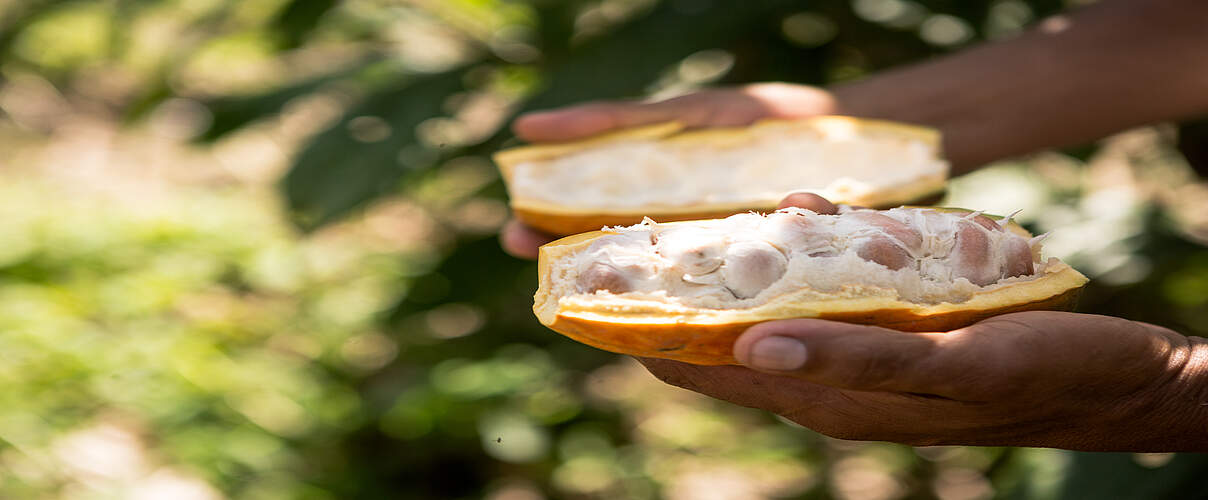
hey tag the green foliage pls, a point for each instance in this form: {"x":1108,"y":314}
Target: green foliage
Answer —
{"x":298,"y":19}
{"x":343,"y":167}
{"x":187,"y":334}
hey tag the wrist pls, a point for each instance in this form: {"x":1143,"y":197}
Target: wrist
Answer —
{"x":1174,"y":415}
{"x":1190,"y":393}
{"x":1054,"y":86}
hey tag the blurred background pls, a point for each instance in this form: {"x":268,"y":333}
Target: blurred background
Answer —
{"x":247,"y":250}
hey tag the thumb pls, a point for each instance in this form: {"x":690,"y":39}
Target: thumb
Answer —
{"x":585,"y":120}
{"x":850,"y":356}
{"x":707,"y":108}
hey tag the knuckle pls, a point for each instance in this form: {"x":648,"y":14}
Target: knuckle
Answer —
{"x":868,"y":370}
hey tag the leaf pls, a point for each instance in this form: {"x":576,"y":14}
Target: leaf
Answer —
{"x":21,"y":16}
{"x":1193,"y":143}
{"x":336,"y":172}
{"x":556,"y":25}
{"x":298,"y":19}
{"x":625,"y":62}
{"x":229,"y":114}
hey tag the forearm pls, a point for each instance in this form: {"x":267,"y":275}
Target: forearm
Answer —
{"x":1072,"y":79}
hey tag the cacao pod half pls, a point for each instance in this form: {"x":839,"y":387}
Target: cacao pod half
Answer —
{"x":665,"y":172}
{"x":687,"y":290}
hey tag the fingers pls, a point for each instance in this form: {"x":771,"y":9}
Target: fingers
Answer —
{"x":784,"y":100}
{"x":708,"y":108}
{"x":809,"y":201}
{"x":585,"y":120}
{"x":745,"y":387}
{"x":522,"y":241}
{"x":835,"y":412}
{"x":855,"y":357}
{"x":1000,"y":358}
{"x":1036,"y":378}
{"x":567,"y":123}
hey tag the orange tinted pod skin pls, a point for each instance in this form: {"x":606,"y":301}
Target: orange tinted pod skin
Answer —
{"x":713,"y":344}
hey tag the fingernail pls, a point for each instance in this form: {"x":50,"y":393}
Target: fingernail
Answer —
{"x":777,"y":353}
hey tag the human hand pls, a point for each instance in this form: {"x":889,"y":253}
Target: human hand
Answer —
{"x":709,"y":108}
{"x":1039,"y":378}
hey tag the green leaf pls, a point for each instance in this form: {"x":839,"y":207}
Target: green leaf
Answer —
{"x":1193,"y":143}
{"x":556,"y":25}
{"x":625,"y":62}
{"x":299,"y":18}
{"x":17,"y":18}
{"x":229,"y":114}
{"x":337,"y":172}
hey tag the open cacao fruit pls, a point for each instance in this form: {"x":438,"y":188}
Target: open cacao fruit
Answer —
{"x":669,"y":174}
{"x":687,"y":290}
